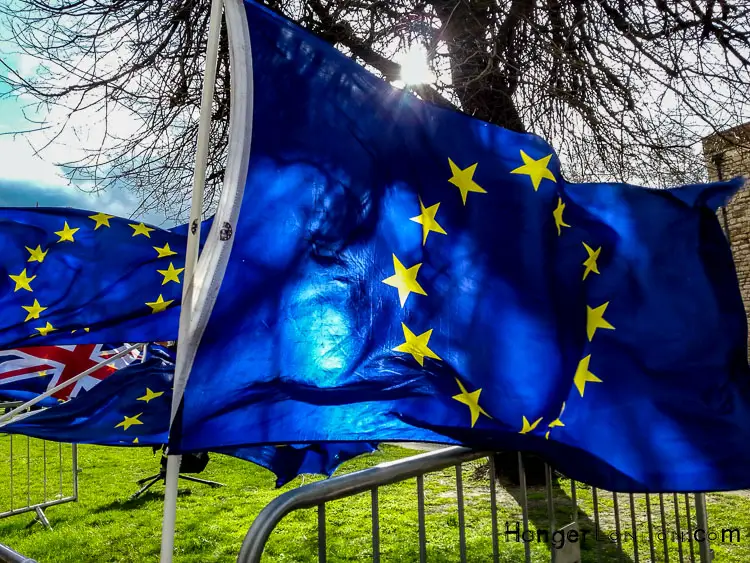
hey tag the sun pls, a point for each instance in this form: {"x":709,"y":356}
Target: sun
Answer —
{"x":414,"y":67}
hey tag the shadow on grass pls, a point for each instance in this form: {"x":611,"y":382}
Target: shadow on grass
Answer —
{"x":130,"y":504}
{"x":595,"y":548}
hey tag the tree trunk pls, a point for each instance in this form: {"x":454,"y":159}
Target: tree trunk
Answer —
{"x":485,"y":70}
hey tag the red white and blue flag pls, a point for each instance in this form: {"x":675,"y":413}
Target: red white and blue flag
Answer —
{"x":26,"y":372}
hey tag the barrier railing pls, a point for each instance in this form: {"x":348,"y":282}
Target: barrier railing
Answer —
{"x":670,"y":519}
{"x":7,"y":555}
{"x":35,"y":474}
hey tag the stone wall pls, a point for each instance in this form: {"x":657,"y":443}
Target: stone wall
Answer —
{"x":728,"y":155}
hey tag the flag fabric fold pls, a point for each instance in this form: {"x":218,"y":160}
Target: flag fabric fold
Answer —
{"x":403,"y":272}
{"x":289,"y":461}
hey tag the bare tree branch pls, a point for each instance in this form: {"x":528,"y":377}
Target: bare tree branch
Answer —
{"x":623,"y":90}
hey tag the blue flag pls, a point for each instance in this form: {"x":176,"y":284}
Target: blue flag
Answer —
{"x":131,"y":407}
{"x":401,"y":271}
{"x":71,"y":276}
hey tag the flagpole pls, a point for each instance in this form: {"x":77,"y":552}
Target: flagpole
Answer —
{"x":5,"y":419}
{"x":191,"y":260}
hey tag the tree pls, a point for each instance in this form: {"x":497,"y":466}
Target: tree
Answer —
{"x":622,"y":88}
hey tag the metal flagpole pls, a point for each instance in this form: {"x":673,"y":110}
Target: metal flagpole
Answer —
{"x":5,"y":419}
{"x":191,"y":259}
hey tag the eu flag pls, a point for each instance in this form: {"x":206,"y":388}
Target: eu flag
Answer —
{"x":401,"y":271}
{"x":71,"y":276}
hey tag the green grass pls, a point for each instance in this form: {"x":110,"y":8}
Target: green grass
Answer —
{"x":211,"y":523}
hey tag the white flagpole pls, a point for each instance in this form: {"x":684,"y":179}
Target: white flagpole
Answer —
{"x":191,"y":259}
{"x":6,"y":418}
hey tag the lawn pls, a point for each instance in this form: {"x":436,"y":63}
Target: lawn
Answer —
{"x":211,"y":523}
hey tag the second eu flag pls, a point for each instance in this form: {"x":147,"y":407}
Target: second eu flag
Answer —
{"x":405,"y":272}
{"x":69,"y":276}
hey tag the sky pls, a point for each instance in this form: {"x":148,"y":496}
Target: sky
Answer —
{"x":28,"y":178}
{"x":31,"y":179}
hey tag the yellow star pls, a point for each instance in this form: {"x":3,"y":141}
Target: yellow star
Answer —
{"x":37,"y":254}
{"x":535,"y":169}
{"x":150,"y":395}
{"x":595,"y":319}
{"x":426,"y":218}
{"x":22,"y":281}
{"x":164,"y":251}
{"x":558,"y":215}
{"x":529,"y":427}
{"x":129,"y":421}
{"x":67,"y":233}
{"x":471,"y":400}
{"x":171,"y":274}
{"x":45,"y":330}
{"x":583,"y":375}
{"x":590,"y":262}
{"x":135,"y":440}
{"x":417,"y":345}
{"x":101,"y":219}
{"x":42,"y":373}
{"x":557,"y":421}
{"x":141,"y":229}
{"x":33,"y":310}
{"x":464,"y":180}
{"x":159,"y":305}
{"x":405,"y":280}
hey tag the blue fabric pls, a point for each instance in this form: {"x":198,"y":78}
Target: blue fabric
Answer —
{"x":26,"y":395}
{"x":101,"y":280}
{"x":132,"y":406}
{"x":97,"y":275}
{"x":607,"y":335}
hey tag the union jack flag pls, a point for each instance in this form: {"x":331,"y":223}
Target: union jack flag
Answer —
{"x":37,"y":369}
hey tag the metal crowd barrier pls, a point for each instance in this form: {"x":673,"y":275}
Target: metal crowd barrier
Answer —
{"x":36,"y":473}
{"x":690,"y":527}
{"x":7,"y":555}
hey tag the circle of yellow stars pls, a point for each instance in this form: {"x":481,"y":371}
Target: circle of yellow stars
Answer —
{"x":67,"y":234}
{"x":537,"y":171}
{"x":404,"y":279}
{"x":170,"y":274}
